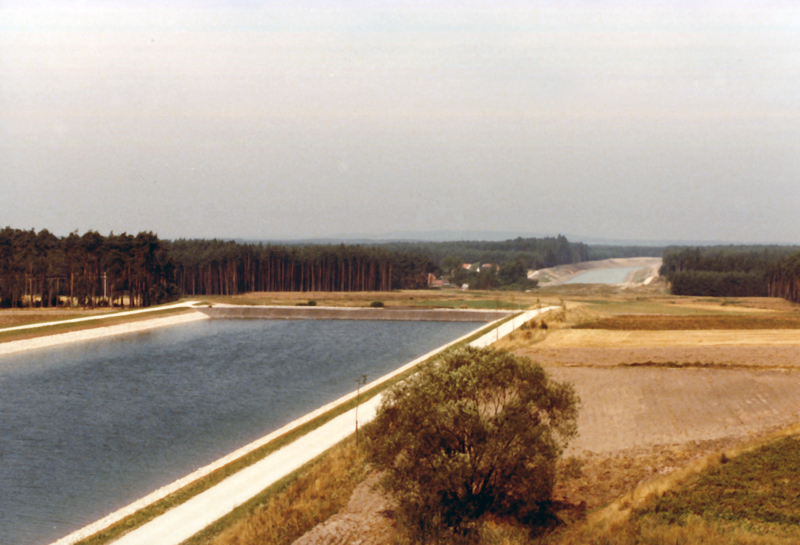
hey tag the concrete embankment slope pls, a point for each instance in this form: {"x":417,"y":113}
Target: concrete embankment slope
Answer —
{"x":344,"y":313}
{"x":13,"y":347}
{"x":185,"y":520}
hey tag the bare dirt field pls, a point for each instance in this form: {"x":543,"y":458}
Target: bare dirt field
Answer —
{"x":625,"y":408}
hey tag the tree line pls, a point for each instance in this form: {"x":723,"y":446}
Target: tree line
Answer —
{"x":734,"y":271}
{"x":90,"y":270}
{"x":533,"y":253}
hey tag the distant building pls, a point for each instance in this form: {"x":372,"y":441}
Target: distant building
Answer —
{"x":434,"y":282}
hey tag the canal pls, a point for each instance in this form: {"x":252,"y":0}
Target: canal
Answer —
{"x":88,"y":428}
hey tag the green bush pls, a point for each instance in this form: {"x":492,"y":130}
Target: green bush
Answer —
{"x":476,"y":432}
{"x":376,"y":304}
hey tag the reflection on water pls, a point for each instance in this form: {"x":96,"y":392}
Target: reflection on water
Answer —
{"x":87,"y":428}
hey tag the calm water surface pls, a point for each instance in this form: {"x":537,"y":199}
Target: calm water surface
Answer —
{"x":87,"y":428}
{"x":603,"y":276}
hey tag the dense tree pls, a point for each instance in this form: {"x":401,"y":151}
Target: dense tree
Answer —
{"x":784,"y":278}
{"x":733,"y":271}
{"x":476,"y":432}
{"x":39,"y":269}
{"x":535,"y":253}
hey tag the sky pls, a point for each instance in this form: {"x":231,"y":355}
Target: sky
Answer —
{"x":638,"y":120}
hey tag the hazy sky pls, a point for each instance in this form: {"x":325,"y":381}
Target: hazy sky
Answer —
{"x":640,"y":120}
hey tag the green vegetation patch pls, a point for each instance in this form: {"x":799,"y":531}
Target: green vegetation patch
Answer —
{"x":671,"y":307}
{"x":485,"y":304}
{"x":756,"y":488}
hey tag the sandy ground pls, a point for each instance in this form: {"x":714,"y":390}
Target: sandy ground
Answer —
{"x":556,"y":276}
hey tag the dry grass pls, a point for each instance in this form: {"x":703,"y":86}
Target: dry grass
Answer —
{"x":315,"y":493}
{"x":684,"y":323}
{"x":17,"y":317}
{"x":398,"y":298}
{"x":696,"y":531}
{"x":783,"y":357}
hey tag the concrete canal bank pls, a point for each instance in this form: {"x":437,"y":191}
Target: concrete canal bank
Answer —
{"x":12,"y":347}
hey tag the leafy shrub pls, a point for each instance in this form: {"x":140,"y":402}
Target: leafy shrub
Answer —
{"x":311,"y":303}
{"x":376,"y":304}
{"x":477,"y":432}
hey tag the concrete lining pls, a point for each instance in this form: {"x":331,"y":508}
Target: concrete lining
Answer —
{"x":345,"y":313}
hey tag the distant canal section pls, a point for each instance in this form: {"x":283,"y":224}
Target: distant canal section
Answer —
{"x":603,"y":276}
{"x":89,"y":427}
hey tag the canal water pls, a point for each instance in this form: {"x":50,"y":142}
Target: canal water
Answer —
{"x":87,"y":428}
{"x":603,"y":276}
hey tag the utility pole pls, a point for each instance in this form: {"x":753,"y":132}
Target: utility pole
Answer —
{"x":361,"y":382}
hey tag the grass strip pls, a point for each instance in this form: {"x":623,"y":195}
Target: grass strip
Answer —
{"x":156,"y":509}
{"x":475,"y":304}
{"x":760,"y":487}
